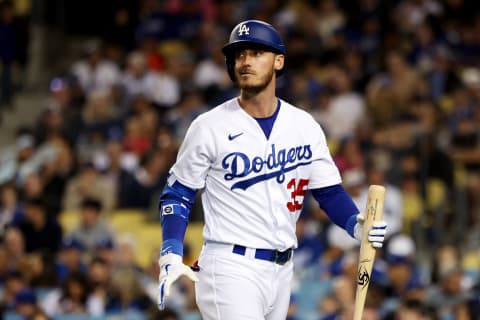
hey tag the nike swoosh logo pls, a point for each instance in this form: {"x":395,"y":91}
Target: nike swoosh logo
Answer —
{"x":231,"y":137}
{"x":166,"y":268}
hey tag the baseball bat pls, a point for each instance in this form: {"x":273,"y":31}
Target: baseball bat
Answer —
{"x":373,"y":212}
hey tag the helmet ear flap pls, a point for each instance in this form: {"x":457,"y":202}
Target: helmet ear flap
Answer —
{"x":230,"y":62}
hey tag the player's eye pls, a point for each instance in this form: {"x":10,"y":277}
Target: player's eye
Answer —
{"x":258,"y":53}
{"x":240,"y":54}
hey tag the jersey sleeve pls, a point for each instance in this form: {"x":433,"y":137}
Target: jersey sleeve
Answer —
{"x":324,"y":172}
{"x":195,"y":156}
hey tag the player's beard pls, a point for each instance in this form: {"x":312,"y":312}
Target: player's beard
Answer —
{"x":253,"y":89}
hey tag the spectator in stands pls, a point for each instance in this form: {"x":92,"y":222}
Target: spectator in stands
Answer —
{"x":26,"y":303}
{"x":71,"y":299}
{"x":346,"y":108}
{"x":209,"y":74}
{"x":449,"y":291}
{"x":40,"y":231}
{"x":38,"y":269}
{"x":449,"y":297}
{"x":127,"y":293}
{"x":3,"y":264}
{"x":70,"y":259}
{"x":14,"y":283}
{"x":161,"y":88}
{"x":50,"y":121}
{"x":105,"y":250}
{"x":121,"y":30}
{"x":39,"y":315}
{"x":99,"y":277}
{"x":442,"y":77}
{"x":149,"y":121}
{"x":92,"y":228}
{"x":35,"y":187}
{"x":10,"y":210}
{"x":136,"y":139}
{"x":413,"y":310}
{"x":180,"y":117}
{"x":388,"y":93}
{"x":310,"y":245}
{"x":67,"y":99}
{"x":149,"y":179}
{"x":100,"y":112}
{"x":329,"y":308}
{"x":349,"y":155}
{"x":338,"y":253}
{"x":89,"y":183}
{"x":403,"y":275}
{"x":14,"y":244}
{"x":91,"y":146}
{"x":8,"y":48}
{"x":36,"y":159}
{"x":93,"y":71}
{"x":56,"y":174}
{"x":13,"y":160}
{"x":125,"y":252}
{"x":118,"y":167}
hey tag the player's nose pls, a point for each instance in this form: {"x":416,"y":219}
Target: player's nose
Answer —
{"x":245,"y":61}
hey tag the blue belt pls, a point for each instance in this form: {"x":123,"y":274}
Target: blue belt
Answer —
{"x":279,"y":257}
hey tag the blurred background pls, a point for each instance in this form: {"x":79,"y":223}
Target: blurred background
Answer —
{"x":96,"y":96}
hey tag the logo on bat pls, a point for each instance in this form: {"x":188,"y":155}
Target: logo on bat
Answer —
{"x":363,"y":276}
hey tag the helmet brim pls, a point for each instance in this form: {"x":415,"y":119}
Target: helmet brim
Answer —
{"x":230,"y":48}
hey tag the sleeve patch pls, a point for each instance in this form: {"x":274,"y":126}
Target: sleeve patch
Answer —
{"x":167,"y":209}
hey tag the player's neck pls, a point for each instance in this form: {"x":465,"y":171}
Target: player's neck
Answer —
{"x":259,"y":105}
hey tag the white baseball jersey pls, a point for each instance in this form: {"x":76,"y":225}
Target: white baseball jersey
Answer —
{"x":253,"y":187}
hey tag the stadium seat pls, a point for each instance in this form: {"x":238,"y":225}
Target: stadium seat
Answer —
{"x":436,"y":194}
{"x":412,"y":209}
{"x":69,"y":219}
{"x":125,"y":220}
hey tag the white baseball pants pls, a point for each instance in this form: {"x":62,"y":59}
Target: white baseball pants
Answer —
{"x":241,"y":287}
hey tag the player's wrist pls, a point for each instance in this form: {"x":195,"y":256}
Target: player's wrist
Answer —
{"x":173,"y":246}
{"x":352,"y":225}
{"x":170,"y":258}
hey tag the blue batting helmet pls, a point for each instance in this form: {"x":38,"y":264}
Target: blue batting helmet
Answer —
{"x":252,"y":32}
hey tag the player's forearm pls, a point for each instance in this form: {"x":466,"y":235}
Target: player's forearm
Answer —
{"x":175,"y":204}
{"x":173,"y":233}
{"x":338,"y":205}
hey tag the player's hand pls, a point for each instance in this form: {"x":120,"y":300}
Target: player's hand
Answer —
{"x":376,"y":235}
{"x":171,"y":268}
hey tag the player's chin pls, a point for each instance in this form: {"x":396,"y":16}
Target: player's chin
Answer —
{"x":247,"y":82}
{"x":245,"y":78}
{"x":251,"y":88}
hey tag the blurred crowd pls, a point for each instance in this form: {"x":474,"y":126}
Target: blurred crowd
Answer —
{"x":394,"y":84}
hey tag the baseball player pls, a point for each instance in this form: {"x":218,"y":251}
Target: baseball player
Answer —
{"x":254,"y":157}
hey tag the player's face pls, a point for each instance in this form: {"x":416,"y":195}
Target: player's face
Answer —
{"x":255,"y":68}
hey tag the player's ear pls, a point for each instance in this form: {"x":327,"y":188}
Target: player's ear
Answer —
{"x":279,"y":61}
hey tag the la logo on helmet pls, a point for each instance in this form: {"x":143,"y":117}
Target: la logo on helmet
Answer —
{"x":243,"y":30}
